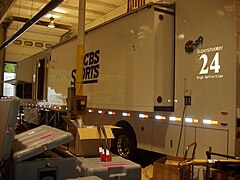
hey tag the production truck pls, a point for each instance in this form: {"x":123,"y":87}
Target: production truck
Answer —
{"x":166,"y":73}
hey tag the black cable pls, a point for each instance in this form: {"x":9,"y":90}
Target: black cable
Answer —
{"x":53,"y":116}
{"x":1,"y":169}
{"x":100,"y":135}
{"x":105,"y":135}
{"x":180,"y":134}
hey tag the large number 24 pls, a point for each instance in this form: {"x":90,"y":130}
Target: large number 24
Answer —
{"x":213,"y":66}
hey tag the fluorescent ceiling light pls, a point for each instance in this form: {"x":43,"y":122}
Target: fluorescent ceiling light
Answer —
{"x":60,"y":10}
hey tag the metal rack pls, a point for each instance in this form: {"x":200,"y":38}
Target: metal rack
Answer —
{"x":229,"y":167}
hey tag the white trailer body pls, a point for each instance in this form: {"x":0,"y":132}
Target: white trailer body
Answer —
{"x":151,"y":59}
{"x":157,"y":69}
{"x":136,"y":65}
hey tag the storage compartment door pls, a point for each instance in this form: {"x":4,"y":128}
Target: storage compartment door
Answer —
{"x":164,"y":66}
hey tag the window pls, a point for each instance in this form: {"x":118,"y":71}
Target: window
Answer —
{"x":9,"y":73}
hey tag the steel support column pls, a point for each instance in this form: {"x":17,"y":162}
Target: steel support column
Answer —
{"x":80,"y":47}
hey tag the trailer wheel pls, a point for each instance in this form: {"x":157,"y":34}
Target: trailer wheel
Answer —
{"x":125,"y":143}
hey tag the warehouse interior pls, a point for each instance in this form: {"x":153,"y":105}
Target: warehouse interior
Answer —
{"x":15,"y":13}
{"x":131,"y":105}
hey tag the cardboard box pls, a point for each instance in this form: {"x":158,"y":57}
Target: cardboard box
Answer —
{"x":166,"y":168}
{"x":86,"y":139}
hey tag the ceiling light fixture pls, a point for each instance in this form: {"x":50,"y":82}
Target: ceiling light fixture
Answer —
{"x":51,"y":24}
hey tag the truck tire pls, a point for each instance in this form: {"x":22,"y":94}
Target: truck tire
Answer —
{"x":124,"y":144}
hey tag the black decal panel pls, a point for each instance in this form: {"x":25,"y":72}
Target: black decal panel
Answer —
{"x":91,"y":67}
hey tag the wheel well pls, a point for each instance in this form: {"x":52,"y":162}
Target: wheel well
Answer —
{"x":125,"y":125}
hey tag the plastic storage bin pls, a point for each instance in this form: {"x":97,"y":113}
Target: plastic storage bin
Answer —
{"x":118,"y":168}
{"x":36,"y":156}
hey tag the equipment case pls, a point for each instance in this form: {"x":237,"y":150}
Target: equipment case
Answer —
{"x":54,"y":164}
{"x":37,"y":140}
{"x":87,"y":178}
{"x":8,"y":116}
{"x":118,"y":168}
{"x":33,"y":159}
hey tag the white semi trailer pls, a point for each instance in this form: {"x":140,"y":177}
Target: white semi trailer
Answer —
{"x":160,"y":71}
